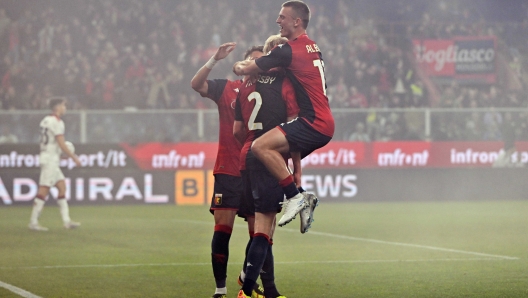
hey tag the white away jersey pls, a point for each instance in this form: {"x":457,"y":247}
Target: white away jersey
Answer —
{"x":50,"y":127}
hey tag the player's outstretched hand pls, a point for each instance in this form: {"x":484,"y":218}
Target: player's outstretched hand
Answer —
{"x":224,"y":50}
{"x":77,"y":160}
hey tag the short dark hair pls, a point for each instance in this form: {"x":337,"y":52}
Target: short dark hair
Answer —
{"x":253,"y":49}
{"x":55,"y":101}
{"x":300,"y":9}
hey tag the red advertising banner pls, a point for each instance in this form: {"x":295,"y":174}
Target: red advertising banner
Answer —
{"x":469,"y":58}
{"x":155,"y":156}
{"x":181,"y":173}
{"x":167,"y":156}
{"x":201,"y":156}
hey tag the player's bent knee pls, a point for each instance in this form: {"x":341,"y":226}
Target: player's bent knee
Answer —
{"x":273,"y":140}
{"x":258,"y":147}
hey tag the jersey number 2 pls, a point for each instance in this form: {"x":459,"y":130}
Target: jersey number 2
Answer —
{"x":258,"y":103}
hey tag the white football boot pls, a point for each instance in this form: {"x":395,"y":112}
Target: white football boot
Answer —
{"x":291,"y":208}
{"x":307,"y":213}
{"x":72,"y":225}
{"x":37,"y":227}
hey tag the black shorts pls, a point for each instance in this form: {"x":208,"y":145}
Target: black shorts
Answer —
{"x":247,"y":205}
{"x":265,"y":191}
{"x":302,"y":137}
{"x":228,"y":192}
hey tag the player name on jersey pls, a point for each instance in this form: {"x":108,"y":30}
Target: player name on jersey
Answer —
{"x":312,"y":48}
{"x":262,"y":79}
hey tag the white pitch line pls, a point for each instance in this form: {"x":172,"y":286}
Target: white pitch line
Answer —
{"x":231,"y":264}
{"x":410,"y":245}
{"x":486,"y":257}
{"x":382,"y":242}
{"x":390,"y":261}
{"x":106,"y":265}
{"x":18,"y":291}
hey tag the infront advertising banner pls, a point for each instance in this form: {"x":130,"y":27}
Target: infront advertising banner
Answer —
{"x":414,"y":154}
{"x":465,"y":59}
{"x":162,"y":173}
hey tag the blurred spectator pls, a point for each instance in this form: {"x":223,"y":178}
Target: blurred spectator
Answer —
{"x":356,"y":99}
{"x":418,"y":95}
{"x":473,"y":128}
{"x":8,"y":98}
{"x":375,"y":99}
{"x":339,"y":94}
{"x":359,"y":134}
{"x":158,"y":96}
{"x":131,"y":97}
{"x":7,"y":137}
{"x":393,"y":128}
{"x":27,"y":98}
{"x":4,"y":27}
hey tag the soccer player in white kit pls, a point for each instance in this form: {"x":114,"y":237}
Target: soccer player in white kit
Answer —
{"x":52,"y":143}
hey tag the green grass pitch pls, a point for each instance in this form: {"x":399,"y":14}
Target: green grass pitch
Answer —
{"x":406,"y":249}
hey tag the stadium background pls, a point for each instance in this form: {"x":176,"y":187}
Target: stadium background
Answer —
{"x":423,"y":133}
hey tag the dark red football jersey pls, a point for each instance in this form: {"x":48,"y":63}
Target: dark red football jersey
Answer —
{"x":304,"y":66}
{"x":224,"y":93}
{"x":263,"y":105}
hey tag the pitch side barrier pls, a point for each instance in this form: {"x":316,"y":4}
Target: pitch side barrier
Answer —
{"x":181,"y":173}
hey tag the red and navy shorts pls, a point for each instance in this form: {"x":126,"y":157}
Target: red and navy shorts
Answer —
{"x":302,"y":137}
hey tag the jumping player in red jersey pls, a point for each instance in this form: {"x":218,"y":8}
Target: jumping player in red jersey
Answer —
{"x":228,"y":189}
{"x":314,"y":128}
{"x":262,"y":103}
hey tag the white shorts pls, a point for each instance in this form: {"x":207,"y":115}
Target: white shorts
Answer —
{"x":50,"y":174}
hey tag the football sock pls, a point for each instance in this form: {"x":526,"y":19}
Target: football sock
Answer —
{"x":300,"y":189}
{"x":38,"y":205}
{"x":243,"y":273}
{"x":267,"y":275}
{"x":255,"y":259}
{"x":220,"y":254}
{"x":288,"y":187}
{"x":221,"y":291}
{"x":64,"y":210}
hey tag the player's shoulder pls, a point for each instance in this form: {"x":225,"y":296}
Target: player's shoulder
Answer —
{"x":284,"y":47}
{"x":304,"y":42}
{"x":46,"y":120}
{"x":223,"y":84}
{"x":235,"y":83}
{"x":303,"y":38}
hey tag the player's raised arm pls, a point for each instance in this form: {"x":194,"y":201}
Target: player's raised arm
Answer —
{"x":199,"y":81}
{"x":242,"y":68}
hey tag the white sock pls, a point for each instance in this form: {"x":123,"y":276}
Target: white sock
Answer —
{"x":221,"y":291}
{"x":64,"y":210}
{"x":242,"y":275}
{"x":38,"y":205}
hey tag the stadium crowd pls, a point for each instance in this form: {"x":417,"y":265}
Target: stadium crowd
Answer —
{"x":116,"y":54}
